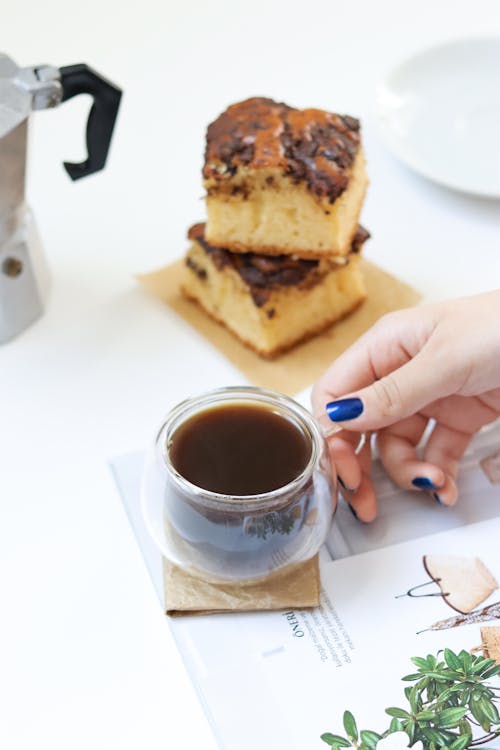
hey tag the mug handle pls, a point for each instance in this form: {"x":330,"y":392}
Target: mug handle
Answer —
{"x":329,"y":428}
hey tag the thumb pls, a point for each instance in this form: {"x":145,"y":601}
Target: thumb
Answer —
{"x":398,"y":395}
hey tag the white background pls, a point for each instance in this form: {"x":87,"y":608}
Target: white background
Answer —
{"x":86,"y":660}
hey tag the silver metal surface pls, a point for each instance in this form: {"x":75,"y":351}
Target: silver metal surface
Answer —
{"x":23,"y":275}
{"x":24,"y":281}
{"x":12,"y":173}
{"x":43,"y":84}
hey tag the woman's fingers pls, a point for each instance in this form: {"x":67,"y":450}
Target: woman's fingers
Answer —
{"x":387,"y":347}
{"x":394,"y":396}
{"x":343,"y":456}
{"x":397,"y":447}
{"x":448,"y":493}
{"x":458,"y":419}
{"x":402,"y":465}
{"x":445,"y":448}
{"x":437,"y":471}
{"x":364,"y":500}
{"x":463,"y":413}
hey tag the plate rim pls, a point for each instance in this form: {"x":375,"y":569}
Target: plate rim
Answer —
{"x":393,"y":144}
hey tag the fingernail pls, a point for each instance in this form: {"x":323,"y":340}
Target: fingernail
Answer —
{"x":344,"y":487}
{"x":353,"y":512}
{"x":346,"y":408}
{"x":423,"y":483}
{"x":437,"y":498}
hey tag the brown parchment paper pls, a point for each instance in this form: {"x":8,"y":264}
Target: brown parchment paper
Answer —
{"x":294,"y":370}
{"x":297,"y":587}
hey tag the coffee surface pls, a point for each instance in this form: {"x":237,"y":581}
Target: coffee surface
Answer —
{"x":239,"y":449}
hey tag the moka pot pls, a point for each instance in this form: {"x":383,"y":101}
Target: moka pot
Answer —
{"x":23,"y":273}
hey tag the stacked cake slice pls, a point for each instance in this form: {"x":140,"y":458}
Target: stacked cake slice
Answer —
{"x":277,"y":260}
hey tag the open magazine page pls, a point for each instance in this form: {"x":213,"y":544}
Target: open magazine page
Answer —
{"x":281,"y":679}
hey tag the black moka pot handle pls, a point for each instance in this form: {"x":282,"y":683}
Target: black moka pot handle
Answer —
{"x":80,"y":79}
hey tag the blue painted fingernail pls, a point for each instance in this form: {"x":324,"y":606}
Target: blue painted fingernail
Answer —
{"x":346,"y":408}
{"x":437,"y":498}
{"x":344,"y":487}
{"x":353,"y":511}
{"x":423,"y":483}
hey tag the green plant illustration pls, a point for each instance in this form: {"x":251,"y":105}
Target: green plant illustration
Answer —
{"x":451,"y":704}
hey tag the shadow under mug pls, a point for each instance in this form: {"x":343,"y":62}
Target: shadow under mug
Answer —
{"x":226,"y":537}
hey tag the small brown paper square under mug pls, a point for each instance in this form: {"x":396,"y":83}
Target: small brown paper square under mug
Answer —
{"x":295,"y":588}
{"x":298,"y":368}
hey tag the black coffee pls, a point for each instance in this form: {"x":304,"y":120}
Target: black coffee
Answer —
{"x":239,"y":449}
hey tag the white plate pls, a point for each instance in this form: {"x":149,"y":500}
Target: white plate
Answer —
{"x":440,"y":113}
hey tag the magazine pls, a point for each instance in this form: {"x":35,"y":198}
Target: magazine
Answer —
{"x":419,"y":584}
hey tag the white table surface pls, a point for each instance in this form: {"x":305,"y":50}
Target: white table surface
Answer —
{"x":86,"y":659}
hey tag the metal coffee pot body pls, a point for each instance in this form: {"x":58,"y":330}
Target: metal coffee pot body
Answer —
{"x":23,"y":273}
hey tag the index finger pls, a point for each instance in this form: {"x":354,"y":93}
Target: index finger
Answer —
{"x":379,"y":351}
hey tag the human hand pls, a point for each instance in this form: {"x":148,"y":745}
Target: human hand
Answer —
{"x":439,"y":361}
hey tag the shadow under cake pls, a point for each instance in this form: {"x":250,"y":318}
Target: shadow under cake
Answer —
{"x":281,"y":180}
{"x":272,"y":302}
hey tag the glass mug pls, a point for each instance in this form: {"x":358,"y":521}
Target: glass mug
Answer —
{"x":225,"y":537}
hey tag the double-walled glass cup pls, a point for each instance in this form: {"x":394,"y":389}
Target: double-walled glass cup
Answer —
{"x":238,"y":537}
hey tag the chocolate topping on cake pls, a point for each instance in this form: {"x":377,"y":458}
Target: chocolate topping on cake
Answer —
{"x":360,"y":236}
{"x":309,"y":145}
{"x":262,"y":273}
